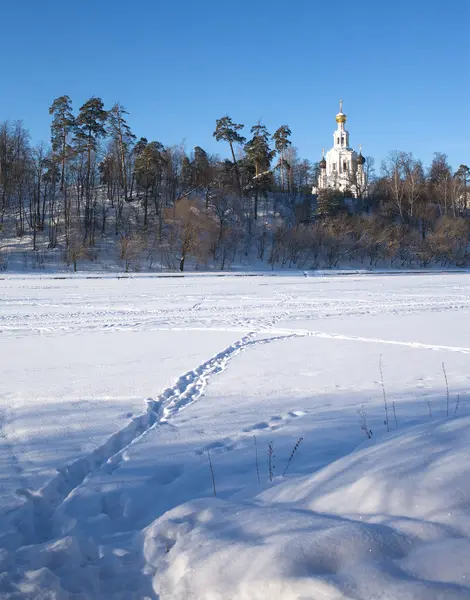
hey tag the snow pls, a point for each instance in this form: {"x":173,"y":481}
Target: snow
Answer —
{"x":374,"y":524}
{"x":114,"y":393}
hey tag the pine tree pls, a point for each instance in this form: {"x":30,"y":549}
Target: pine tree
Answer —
{"x":259,"y":153}
{"x":258,"y":149}
{"x":137,"y":150}
{"x":123,"y":138}
{"x":328,"y":203}
{"x":281,"y":143}
{"x":90,"y":127}
{"x":149,"y":172}
{"x":201,"y":167}
{"x":62,"y":126}
{"x":203,"y":171}
{"x":140,"y":146}
{"x":227,"y":131}
{"x":187,"y":175}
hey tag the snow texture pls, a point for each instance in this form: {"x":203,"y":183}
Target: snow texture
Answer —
{"x":116,"y":393}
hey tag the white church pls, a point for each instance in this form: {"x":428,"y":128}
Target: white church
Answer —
{"x":342,"y":168}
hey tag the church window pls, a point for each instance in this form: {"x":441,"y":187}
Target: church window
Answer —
{"x":334,"y":166}
{"x":345,"y":166}
{"x":337,"y":140}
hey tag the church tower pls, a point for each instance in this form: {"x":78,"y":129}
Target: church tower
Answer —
{"x":342,"y":168}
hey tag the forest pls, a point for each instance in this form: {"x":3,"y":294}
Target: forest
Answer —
{"x":96,"y":196}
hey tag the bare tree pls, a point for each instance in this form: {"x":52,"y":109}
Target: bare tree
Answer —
{"x":187,"y":223}
{"x":393,"y":171}
{"x":76,"y":248}
{"x":414,"y":181}
{"x":131,"y":247}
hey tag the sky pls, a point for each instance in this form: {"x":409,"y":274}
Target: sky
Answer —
{"x":402,"y":69}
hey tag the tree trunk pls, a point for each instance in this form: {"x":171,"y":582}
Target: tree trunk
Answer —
{"x":237,"y":171}
{"x":87,"y":195}
{"x":146,"y":206}
{"x":64,"y":148}
{"x":282,"y":170}
{"x":123,"y":165}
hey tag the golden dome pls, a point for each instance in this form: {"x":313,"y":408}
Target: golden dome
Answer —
{"x":341,"y":117}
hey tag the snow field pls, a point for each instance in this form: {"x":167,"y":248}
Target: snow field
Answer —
{"x":130,"y":383}
{"x":374,"y":524}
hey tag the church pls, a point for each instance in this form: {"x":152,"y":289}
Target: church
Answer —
{"x":342,"y":168}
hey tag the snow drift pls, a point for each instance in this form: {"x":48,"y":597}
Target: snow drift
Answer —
{"x":390,"y":520}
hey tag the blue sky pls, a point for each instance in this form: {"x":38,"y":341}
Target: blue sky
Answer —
{"x":402,"y":68}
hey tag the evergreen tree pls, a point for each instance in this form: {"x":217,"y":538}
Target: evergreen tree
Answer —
{"x":62,"y":126}
{"x":204,"y":172}
{"x":202,"y":168}
{"x":260,"y":155}
{"x":463,"y":172}
{"x":90,"y":124}
{"x":149,"y":166}
{"x":123,"y":138}
{"x":187,"y":175}
{"x":281,"y":143}
{"x":90,"y":127}
{"x":328,"y":203}
{"x":137,"y":150}
{"x":224,"y":176}
{"x":227,"y":131}
{"x":140,"y":146}
{"x":258,"y":149}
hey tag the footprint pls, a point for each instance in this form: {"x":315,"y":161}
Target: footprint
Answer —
{"x":111,"y":505}
{"x":258,"y":426}
{"x":166,"y":475}
{"x":296,"y":413}
{"x":275,"y":422}
{"x":220,"y":446}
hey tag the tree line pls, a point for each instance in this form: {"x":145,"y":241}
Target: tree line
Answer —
{"x":97,"y":192}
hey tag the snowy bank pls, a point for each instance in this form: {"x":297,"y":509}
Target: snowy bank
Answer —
{"x":388,"y":521}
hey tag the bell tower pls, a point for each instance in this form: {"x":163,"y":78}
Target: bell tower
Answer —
{"x":341,"y":136}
